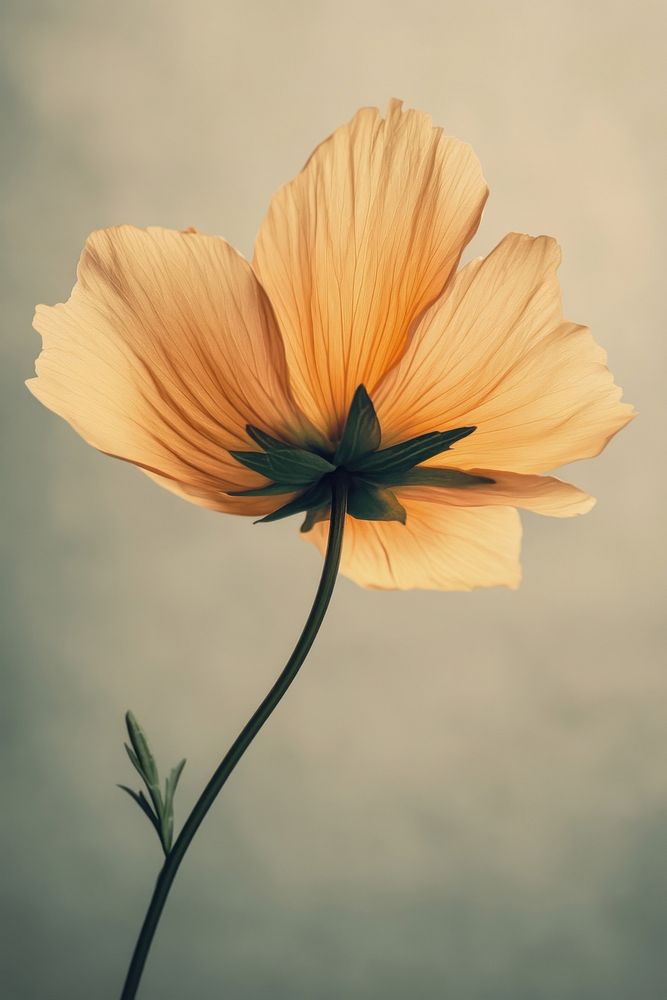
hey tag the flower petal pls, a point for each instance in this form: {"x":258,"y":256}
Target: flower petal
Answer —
{"x":540,"y":494}
{"x":355,"y":247}
{"x":438,"y":548}
{"x":494,"y":352}
{"x":164,"y":352}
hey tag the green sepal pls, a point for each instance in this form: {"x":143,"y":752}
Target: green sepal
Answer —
{"x":283,"y":463}
{"x":367,"y":502}
{"x":362,"y":434}
{"x":290,"y":466}
{"x":445,"y":478}
{"x":266,"y":441}
{"x":404,"y":456}
{"x":272,"y":490}
{"x":317,"y":496}
{"x":314,"y":516}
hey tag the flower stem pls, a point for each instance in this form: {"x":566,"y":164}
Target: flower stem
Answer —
{"x":243,"y":740}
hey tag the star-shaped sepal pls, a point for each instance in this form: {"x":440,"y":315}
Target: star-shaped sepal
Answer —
{"x":372,"y":472}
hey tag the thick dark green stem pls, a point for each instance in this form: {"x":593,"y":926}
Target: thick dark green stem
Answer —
{"x":243,"y":740}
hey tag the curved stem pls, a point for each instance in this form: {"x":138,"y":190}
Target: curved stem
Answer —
{"x":243,"y":740}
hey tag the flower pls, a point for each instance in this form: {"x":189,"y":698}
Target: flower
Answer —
{"x":351,"y":343}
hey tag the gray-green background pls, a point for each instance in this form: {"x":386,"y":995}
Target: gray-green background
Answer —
{"x":465,"y":795}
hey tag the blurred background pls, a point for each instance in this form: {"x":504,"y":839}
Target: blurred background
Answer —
{"x":464,"y":795}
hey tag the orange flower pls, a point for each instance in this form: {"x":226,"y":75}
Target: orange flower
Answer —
{"x":176,"y":354}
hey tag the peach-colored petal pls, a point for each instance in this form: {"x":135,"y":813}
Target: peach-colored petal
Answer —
{"x":355,"y":247}
{"x":165,"y":350}
{"x":540,"y":494}
{"x":439,"y":548}
{"x":495,"y":353}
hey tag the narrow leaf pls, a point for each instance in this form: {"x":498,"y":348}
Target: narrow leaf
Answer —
{"x":167,"y":836}
{"x":170,"y":786}
{"x":145,"y":763}
{"x":141,"y":749}
{"x":168,"y":813}
{"x":371,"y":503}
{"x":316,"y":496}
{"x":143,"y":804}
{"x":446,"y":478}
{"x":402,"y":457}
{"x":362,"y":433}
{"x":135,"y":761}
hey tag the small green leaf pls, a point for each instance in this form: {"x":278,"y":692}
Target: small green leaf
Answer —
{"x":362,"y":433}
{"x":168,"y":820}
{"x":143,"y":804}
{"x":316,"y":496}
{"x":135,"y":761}
{"x":402,"y":457}
{"x":144,"y":762}
{"x":314,"y":516}
{"x":161,"y":811}
{"x":148,"y":768}
{"x":170,"y":785}
{"x":367,"y":502}
{"x":446,"y":478}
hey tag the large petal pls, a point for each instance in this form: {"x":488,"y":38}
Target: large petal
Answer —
{"x":355,"y":247}
{"x":164,"y":352}
{"x":495,"y":353}
{"x":539,"y":494}
{"x":439,"y":548}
